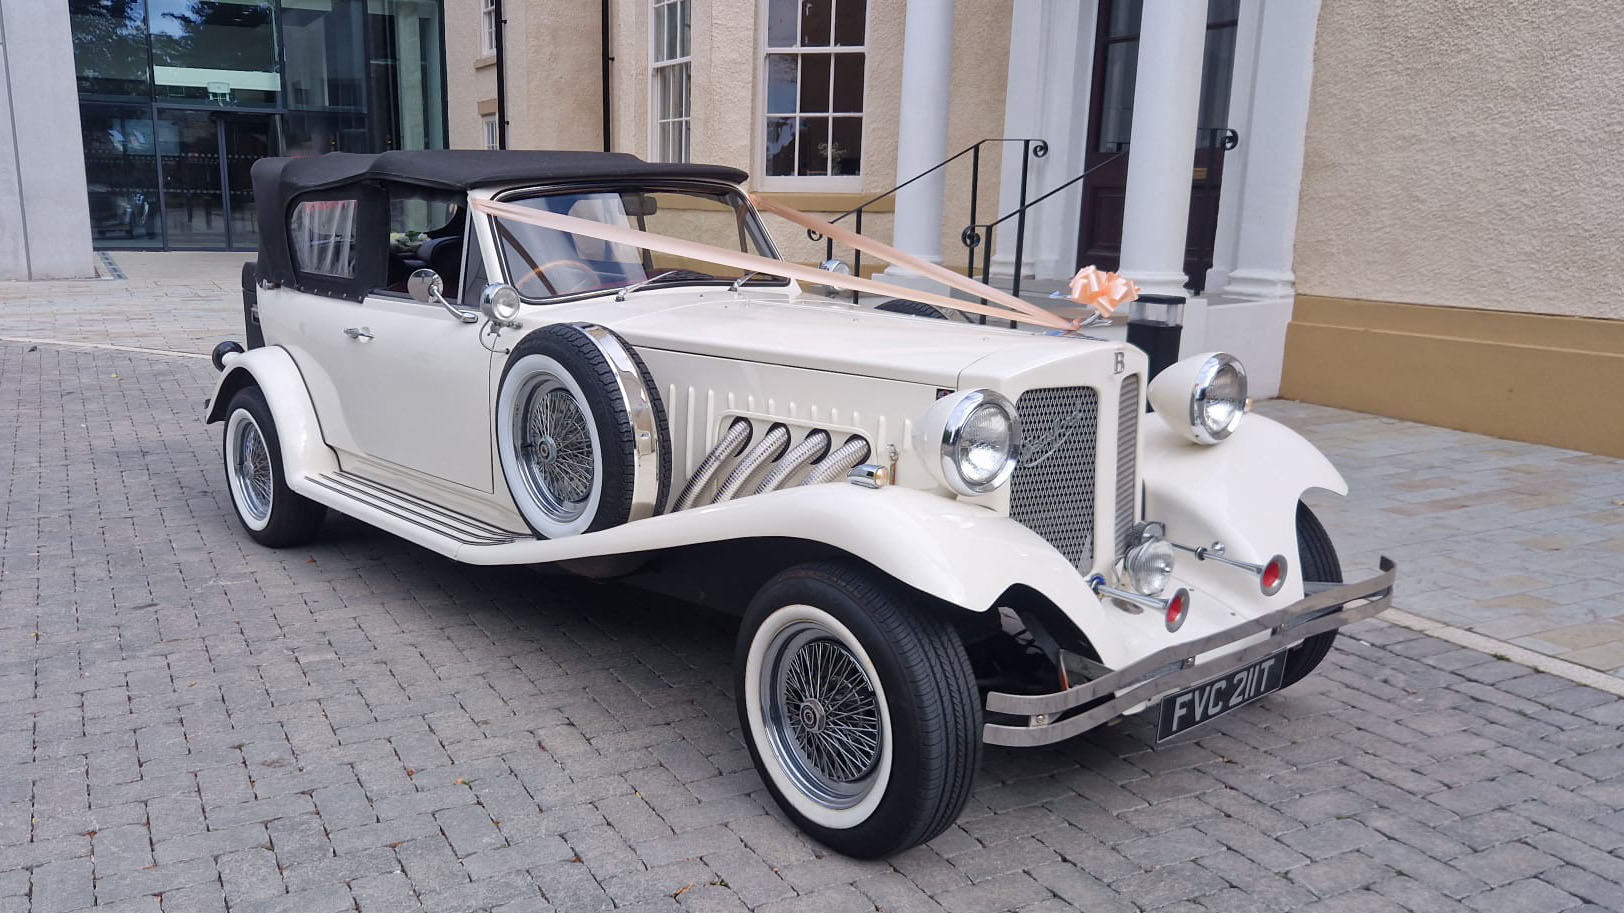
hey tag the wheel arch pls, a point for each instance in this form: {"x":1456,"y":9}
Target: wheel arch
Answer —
{"x":1265,"y":469}
{"x":276,"y":374}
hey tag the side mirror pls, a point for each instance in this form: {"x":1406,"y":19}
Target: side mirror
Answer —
{"x":426,"y":286}
{"x":499,"y":302}
{"x":839,"y":268}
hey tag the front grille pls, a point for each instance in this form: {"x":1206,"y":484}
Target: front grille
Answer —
{"x":1127,"y":459}
{"x":1052,"y":490}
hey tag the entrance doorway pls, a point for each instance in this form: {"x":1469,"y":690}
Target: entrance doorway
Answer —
{"x":203,"y":163}
{"x":1110,"y":122}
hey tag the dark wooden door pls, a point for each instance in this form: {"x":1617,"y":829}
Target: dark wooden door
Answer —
{"x":1110,"y":122}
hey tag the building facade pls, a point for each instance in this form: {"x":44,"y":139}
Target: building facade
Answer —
{"x":177,"y":98}
{"x":172,"y":101}
{"x":1401,"y":208}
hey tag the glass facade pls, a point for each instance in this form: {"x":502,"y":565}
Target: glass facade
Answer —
{"x":178,"y":98}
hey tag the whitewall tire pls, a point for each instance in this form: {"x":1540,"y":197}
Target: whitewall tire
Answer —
{"x":580,"y":432}
{"x":271,"y":512}
{"x":861,"y":713}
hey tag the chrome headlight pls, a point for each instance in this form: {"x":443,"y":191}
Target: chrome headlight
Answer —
{"x":1202,"y":397}
{"x":977,"y":437}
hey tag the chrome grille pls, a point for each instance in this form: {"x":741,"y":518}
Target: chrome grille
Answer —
{"x":1127,"y":459}
{"x":1052,"y":490}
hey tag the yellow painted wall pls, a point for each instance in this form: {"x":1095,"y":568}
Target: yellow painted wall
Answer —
{"x":1466,"y":154}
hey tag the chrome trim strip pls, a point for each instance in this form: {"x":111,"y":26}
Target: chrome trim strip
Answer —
{"x":1139,"y":682}
{"x":1127,"y":457}
{"x":646,"y":432}
{"x":408,"y":499}
{"x":439,"y":521}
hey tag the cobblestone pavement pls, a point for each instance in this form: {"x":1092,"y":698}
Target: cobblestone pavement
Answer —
{"x":195,"y":723}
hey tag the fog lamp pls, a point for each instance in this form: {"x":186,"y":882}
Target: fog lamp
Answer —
{"x":1148,"y":566}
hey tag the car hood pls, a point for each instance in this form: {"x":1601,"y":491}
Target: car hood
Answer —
{"x":830,"y":336}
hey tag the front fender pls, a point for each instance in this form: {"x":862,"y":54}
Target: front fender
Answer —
{"x":272,"y":369}
{"x":1242,"y":492}
{"x":961,"y":553}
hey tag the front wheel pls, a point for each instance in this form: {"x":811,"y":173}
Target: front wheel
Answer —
{"x":1317,"y":557}
{"x":861,"y":713}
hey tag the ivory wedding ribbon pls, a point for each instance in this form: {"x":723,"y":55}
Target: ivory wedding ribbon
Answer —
{"x":752,"y":263}
{"x":891,"y":255}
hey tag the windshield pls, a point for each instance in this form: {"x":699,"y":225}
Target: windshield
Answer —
{"x":543,"y":263}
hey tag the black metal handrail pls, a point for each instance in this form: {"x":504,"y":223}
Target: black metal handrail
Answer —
{"x":971,"y":238}
{"x":1031,"y":148}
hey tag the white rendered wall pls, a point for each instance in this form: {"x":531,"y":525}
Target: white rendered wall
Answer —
{"x":44,"y":209}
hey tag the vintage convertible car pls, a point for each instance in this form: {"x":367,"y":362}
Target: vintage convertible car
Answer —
{"x":939,"y":533}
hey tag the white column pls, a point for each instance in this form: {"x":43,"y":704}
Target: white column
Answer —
{"x":1172,"y":38}
{"x":927,"y":60}
{"x":44,"y":210}
{"x":1243,"y":79}
{"x":1051,"y":69}
{"x":1257,"y":226}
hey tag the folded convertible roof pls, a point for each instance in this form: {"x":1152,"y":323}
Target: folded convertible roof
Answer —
{"x":460,"y":169}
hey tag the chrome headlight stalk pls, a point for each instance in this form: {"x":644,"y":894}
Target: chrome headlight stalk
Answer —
{"x":1203,"y":397}
{"x":1271,"y":575}
{"x":976,"y":439}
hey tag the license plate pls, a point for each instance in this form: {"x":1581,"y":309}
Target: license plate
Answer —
{"x":1191,"y":707}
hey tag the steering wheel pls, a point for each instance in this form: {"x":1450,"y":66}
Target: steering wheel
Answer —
{"x":586,"y":277}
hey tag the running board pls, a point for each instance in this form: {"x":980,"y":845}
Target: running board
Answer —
{"x":406,"y":515}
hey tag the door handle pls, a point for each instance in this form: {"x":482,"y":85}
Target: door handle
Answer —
{"x":358,"y":333}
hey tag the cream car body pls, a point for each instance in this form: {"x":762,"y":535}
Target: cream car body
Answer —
{"x":383,"y":406}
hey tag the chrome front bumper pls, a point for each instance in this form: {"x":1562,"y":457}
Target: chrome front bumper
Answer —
{"x":1171,"y":669}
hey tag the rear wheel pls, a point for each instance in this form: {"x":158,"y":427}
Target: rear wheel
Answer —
{"x":272,"y":513}
{"x":861,"y":714}
{"x":1317,"y":557}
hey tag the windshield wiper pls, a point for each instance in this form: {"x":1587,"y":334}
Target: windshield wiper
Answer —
{"x":621,"y":295}
{"x":739,"y":282}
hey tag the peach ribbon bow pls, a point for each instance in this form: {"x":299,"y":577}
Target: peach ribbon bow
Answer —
{"x":1102,"y":291}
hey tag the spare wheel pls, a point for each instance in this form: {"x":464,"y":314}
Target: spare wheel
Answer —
{"x":581,"y":431}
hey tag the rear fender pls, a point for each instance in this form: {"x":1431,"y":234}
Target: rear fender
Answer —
{"x":1242,"y":492}
{"x":272,"y":369}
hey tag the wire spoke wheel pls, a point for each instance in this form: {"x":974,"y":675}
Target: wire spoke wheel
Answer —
{"x":554,"y":448}
{"x":822,"y":715}
{"x":251,"y":469}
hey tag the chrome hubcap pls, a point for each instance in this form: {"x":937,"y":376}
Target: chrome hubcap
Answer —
{"x":554,"y":449}
{"x":821,"y":715}
{"x":251,"y":464}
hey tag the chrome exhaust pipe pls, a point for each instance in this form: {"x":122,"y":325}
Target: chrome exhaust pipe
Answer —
{"x":771,"y":447}
{"x":813,"y":447}
{"x":837,"y":464}
{"x":733,"y":441}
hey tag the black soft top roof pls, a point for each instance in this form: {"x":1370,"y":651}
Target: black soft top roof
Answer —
{"x":460,"y":169}
{"x":278,"y":180}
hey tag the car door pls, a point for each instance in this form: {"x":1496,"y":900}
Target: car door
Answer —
{"x":400,"y":386}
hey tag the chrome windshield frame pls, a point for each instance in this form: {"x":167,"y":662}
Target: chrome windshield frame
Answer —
{"x":739,"y":200}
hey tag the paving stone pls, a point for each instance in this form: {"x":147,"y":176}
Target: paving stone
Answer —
{"x":1530,"y":895}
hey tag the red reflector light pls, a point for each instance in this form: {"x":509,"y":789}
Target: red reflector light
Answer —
{"x":1273,"y":576}
{"x":1178,"y":608}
